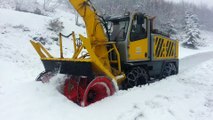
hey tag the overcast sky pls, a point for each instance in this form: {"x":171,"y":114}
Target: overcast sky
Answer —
{"x":207,"y":2}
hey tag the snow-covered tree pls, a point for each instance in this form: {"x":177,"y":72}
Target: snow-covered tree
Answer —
{"x":192,"y":31}
{"x":169,"y":28}
{"x":50,"y":5}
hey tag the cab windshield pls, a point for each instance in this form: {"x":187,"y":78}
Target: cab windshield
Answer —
{"x":118,"y":29}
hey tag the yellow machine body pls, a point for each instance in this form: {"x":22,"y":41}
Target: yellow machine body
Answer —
{"x":165,"y":48}
{"x":138,"y":50}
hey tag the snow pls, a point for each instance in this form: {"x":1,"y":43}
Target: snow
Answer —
{"x":186,"y":96}
{"x":208,"y":3}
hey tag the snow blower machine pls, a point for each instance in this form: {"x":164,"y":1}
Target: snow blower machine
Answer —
{"x":121,"y":52}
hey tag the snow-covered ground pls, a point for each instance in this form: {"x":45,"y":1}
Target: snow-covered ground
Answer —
{"x":186,"y":96}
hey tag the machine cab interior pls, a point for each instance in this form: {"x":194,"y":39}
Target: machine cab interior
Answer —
{"x":138,"y":28}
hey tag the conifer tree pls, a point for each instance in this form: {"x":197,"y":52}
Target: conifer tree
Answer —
{"x":191,"y":28}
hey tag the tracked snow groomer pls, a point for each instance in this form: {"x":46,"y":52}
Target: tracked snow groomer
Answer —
{"x":122,"y":52}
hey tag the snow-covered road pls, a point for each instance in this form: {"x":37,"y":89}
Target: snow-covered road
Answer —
{"x":194,"y":60}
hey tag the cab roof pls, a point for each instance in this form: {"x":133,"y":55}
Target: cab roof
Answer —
{"x":117,"y":18}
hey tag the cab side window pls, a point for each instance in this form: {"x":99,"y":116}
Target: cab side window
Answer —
{"x":138,"y":29}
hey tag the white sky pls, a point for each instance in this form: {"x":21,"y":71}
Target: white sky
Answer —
{"x":209,"y":3}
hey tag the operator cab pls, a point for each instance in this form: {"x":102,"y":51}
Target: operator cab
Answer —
{"x":118,"y":27}
{"x":130,"y":32}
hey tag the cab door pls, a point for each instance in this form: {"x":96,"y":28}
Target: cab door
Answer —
{"x":138,"y":40}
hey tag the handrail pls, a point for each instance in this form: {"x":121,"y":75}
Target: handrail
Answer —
{"x":76,"y":48}
{"x":61,"y":45}
{"x":41,"y":50}
{"x":67,"y":36}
